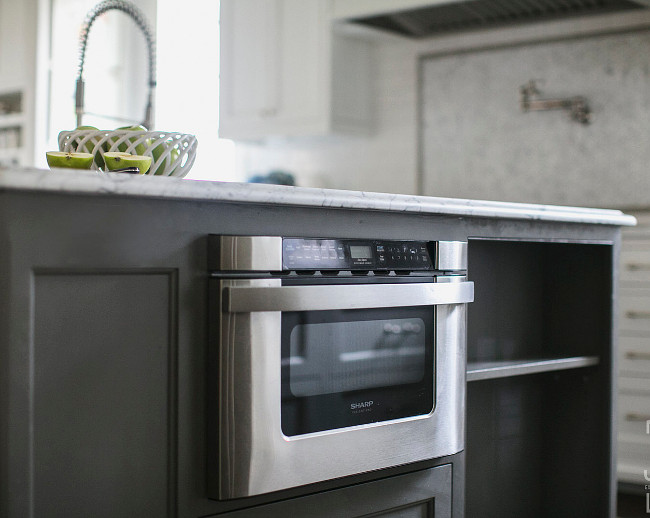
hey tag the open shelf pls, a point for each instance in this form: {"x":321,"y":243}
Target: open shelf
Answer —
{"x":14,"y":119}
{"x":540,"y":335}
{"x":502,"y":369}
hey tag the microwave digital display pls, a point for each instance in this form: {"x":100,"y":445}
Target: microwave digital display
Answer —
{"x":360,"y":252}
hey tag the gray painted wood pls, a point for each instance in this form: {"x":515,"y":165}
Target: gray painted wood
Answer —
{"x":423,"y":494}
{"x":101,"y":357}
{"x":157,"y":243}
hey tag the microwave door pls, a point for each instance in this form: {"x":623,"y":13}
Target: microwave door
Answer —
{"x":254,"y":456}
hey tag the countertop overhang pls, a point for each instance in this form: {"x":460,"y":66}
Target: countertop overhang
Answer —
{"x":119,"y":184}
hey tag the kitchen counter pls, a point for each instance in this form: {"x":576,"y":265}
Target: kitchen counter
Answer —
{"x":104,"y":286}
{"x":83,"y":182}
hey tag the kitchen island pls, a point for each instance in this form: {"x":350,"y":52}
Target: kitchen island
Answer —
{"x":103,"y":346}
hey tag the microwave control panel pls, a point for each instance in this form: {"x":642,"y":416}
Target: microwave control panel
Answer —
{"x":354,"y":254}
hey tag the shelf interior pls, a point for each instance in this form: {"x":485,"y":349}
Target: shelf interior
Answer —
{"x":542,"y":308}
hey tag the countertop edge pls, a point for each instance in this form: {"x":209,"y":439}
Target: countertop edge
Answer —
{"x":93,"y":183}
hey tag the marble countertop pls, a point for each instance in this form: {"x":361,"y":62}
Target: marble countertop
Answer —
{"x":116,"y":184}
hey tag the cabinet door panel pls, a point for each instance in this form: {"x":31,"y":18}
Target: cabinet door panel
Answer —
{"x":12,"y":44}
{"x":423,"y":494}
{"x":103,"y":344}
{"x":276,"y":68}
{"x":304,"y":61}
{"x":250,"y":56}
{"x":421,"y":510}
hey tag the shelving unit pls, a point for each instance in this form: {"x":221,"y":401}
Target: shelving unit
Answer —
{"x":634,"y":356}
{"x":539,"y":397}
{"x":12,"y":123}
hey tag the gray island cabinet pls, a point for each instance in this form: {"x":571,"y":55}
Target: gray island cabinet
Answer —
{"x":103,"y":347}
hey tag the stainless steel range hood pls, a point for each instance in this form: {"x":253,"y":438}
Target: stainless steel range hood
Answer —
{"x":479,"y":14}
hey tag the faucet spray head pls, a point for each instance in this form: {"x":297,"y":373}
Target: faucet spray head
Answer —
{"x":139,"y":18}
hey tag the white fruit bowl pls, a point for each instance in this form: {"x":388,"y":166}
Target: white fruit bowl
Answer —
{"x":172,"y":153}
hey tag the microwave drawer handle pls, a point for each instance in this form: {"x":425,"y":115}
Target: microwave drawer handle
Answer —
{"x":322,"y":298}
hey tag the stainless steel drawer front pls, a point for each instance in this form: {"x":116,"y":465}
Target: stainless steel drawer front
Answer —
{"x":249,"y":253}
{"x":451,"y":255}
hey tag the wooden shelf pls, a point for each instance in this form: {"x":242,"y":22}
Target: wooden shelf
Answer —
{"x":477,"y":371}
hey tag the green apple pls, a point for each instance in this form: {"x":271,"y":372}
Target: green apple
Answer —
{"x":139,"y":148}
{"x":169,"y":159}
{"x":119,"y":160}
{"x":69,"y":160}
{"x":89,"y":146}
{"x":139,"y":127}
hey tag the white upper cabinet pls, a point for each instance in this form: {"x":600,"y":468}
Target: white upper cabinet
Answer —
{"x":286,"y":72}
{"x":12,"y":44}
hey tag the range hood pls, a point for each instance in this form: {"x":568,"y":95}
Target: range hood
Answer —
{"x":482,"y":14}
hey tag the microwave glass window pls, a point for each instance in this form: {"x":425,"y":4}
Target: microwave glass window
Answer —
{"x":360,"y":252}
{"x":352,"y":367}
{"x":333,"y":357}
